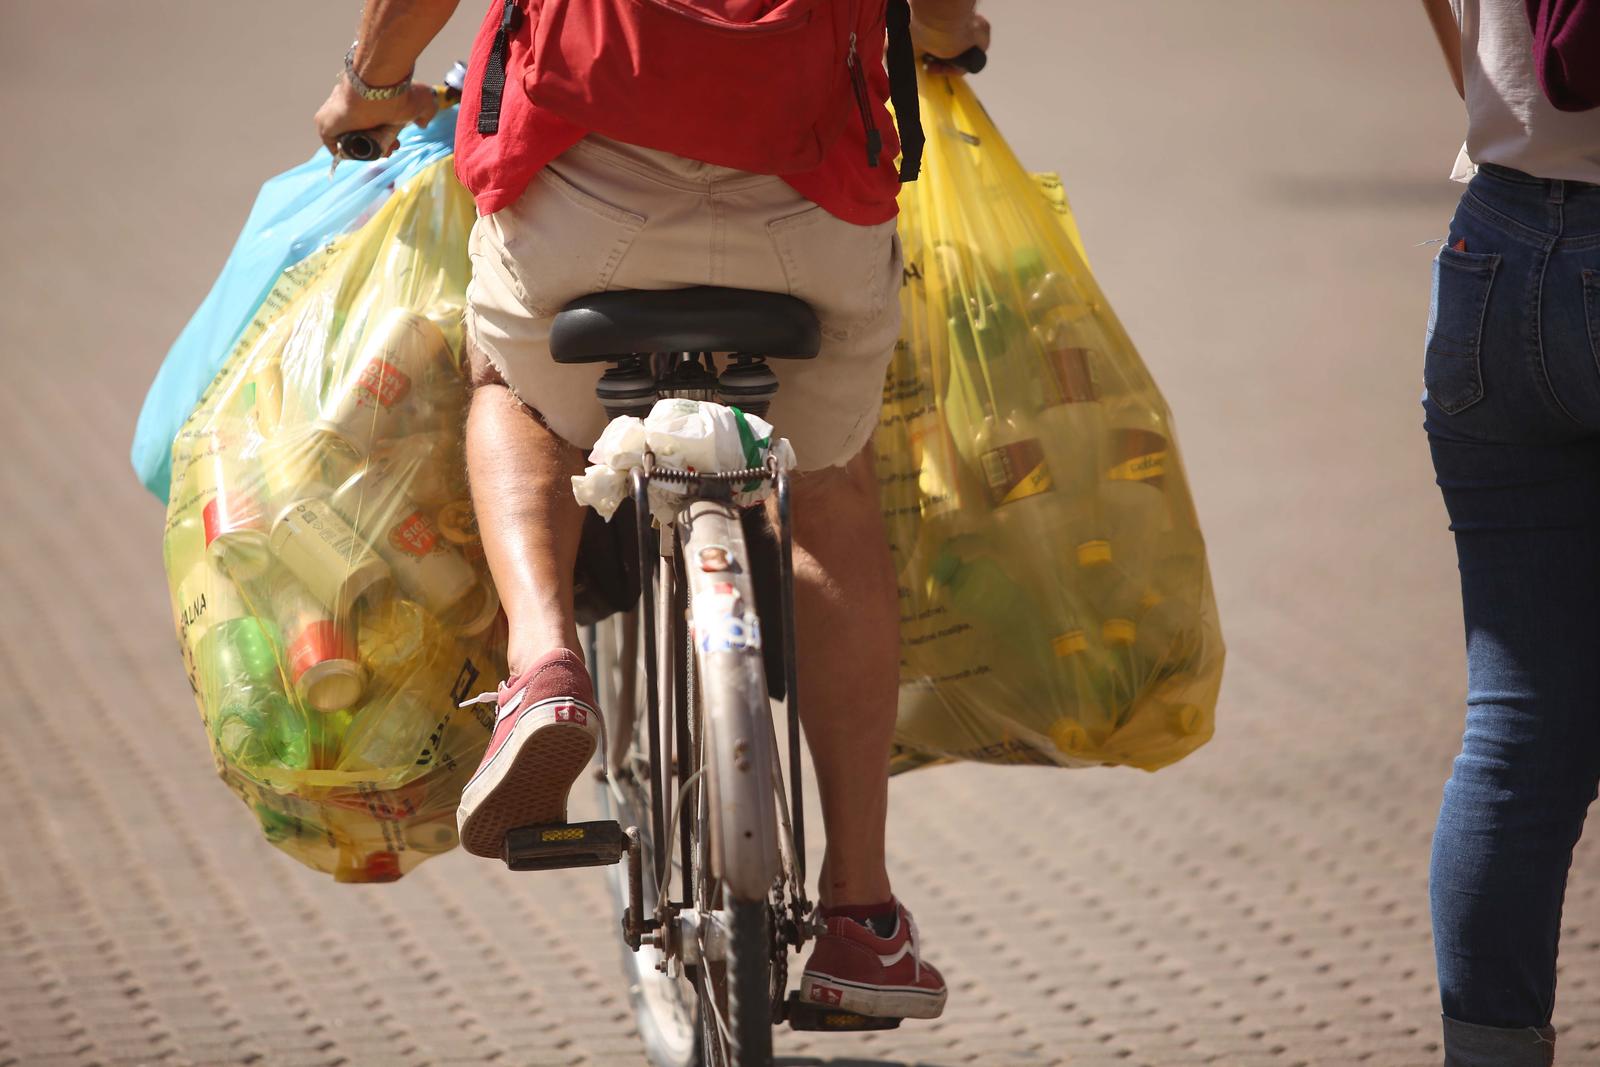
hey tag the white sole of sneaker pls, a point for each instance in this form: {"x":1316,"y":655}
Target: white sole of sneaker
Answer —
{"x":527,"y":782}
{"x":888,"y":1002}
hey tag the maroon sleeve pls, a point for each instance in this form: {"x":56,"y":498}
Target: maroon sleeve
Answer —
{"x":1566,"y":51}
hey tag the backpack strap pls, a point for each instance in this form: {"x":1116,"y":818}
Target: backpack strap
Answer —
{"x":902,"y":64}
{"x":494,"y":71}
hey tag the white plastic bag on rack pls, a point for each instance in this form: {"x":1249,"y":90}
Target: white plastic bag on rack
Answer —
{"x":689,"y":435}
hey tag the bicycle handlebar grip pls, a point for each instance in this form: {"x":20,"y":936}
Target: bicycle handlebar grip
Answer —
{"x":361,"y":145}
{"x":972,"y":60}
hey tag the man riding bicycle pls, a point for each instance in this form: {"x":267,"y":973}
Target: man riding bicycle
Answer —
{"x":565,"y":211}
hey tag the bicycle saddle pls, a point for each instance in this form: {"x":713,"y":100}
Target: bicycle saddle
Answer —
{"x":606,"y":326}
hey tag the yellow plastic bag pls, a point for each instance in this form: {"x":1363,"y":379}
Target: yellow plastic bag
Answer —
{"x":1056,"y":607}
{"x":327,"y":581}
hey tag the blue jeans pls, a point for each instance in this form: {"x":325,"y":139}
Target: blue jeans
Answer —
{"x":1513,"y":418}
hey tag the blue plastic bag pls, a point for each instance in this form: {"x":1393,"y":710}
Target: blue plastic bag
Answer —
{"x":295,"y":214}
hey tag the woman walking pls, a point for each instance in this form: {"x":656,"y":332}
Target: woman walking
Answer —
{"x":1512,"y":371}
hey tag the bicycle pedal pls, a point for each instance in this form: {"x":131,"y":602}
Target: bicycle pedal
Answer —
{"x":573,"y":844}
{"x":806,"y":1016}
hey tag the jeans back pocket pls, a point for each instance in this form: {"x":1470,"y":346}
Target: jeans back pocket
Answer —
{"x":1452,"y":371}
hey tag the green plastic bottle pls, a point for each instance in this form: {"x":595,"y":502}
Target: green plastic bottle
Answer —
{"x":1047,"y":662}
{"x":256,"y":726}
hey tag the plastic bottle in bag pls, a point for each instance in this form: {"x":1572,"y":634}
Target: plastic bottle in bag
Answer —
{"x":940,"y":492}
{"x":425,"y":564}
{"x":419,"y":675}
{"x":237,"y":666}
{"x":983,"y":594}
{"x":1173,"y":609}
{"x":1047,"y":653}
{"x":1131,"y":500}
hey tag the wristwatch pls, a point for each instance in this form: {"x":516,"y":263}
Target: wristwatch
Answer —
{"x":371,"y":92}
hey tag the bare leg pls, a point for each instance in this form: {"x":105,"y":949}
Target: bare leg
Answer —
{"x":521,"y":475}
{"x":847,"y":637}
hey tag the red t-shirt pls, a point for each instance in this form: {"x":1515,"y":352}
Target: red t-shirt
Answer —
{"x":497,"y":168}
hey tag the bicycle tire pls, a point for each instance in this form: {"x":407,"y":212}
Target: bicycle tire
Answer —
{"x":665,"y":1009}
{"x":738,"y":989}
{"x":749,"y":983}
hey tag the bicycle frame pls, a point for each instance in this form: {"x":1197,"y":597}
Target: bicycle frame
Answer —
{"x":752,"y":868}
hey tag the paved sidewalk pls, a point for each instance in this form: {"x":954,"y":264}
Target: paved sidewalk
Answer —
{"x":1254,"y":179}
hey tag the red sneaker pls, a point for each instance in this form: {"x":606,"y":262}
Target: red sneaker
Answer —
{"x":545,"y":732}
{"x":854,"y":969}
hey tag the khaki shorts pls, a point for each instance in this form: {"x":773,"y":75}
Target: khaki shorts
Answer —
{"x":606,"y":215}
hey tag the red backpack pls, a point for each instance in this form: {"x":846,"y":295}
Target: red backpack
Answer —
{"x":758,"y":85}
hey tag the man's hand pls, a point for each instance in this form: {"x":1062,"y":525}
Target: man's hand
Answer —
{"x":345,"y":110}
{"x":393,"y":34}
{"x":946,"y":29}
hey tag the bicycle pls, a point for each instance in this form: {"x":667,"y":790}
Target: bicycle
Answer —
{"x":713,"y":891}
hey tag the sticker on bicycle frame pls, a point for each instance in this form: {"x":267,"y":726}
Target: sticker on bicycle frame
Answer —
{"x":714,"y":559}
{"x":728,"y":633}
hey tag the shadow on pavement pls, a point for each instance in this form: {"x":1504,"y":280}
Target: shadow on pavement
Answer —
{"x":813,"y":1061}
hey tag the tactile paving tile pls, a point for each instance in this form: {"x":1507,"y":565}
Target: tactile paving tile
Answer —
{"x":1263,"y":903}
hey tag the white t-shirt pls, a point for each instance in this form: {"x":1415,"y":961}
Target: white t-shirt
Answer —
{"x":1509,"y":119}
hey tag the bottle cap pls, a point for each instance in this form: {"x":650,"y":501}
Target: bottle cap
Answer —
{"x":1070,"y":736}
{"x":1119,"y":631}
{"x":1094,"y":553}
{"x":1069,"y":644}
{"x":459,"y":523}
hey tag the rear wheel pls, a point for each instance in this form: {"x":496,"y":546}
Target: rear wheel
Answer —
{"x":735,"y":847}
{"x":665,"y":1006}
